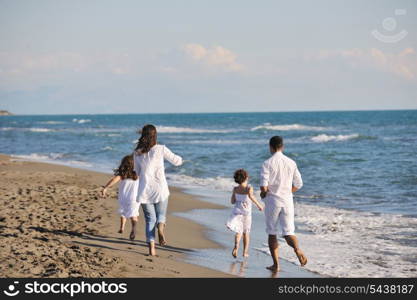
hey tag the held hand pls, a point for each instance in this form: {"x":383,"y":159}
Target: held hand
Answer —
{"x":103,"y":193}
{"x":261,"y":208}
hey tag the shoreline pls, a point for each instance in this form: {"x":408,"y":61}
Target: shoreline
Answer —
{"x":54,"y":225}
{"x":189,"y":237}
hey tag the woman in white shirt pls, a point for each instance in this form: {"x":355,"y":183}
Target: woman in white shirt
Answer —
{"x":153,"y":189}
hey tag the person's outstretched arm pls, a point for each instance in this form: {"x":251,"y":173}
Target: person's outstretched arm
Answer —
{"x":109,"y":184}
{"x":171,"y":157}
{"x":254,"y":200}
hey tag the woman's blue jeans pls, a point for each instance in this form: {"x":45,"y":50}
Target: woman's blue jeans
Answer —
{"x":154,"y":213}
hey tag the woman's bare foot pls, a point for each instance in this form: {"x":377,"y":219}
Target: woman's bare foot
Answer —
{"x":234,"y":252}
{"x":245,"y":254}
{"x":273,"y":268}
{"x":120,"y":230}
{"x":152,"y":251}
{"x":301,"y":257}
{"x":161,"y":234}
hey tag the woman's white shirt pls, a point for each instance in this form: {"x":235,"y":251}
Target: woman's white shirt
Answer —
{"x":153,"y":186}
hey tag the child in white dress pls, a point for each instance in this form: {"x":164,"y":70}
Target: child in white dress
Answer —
{"x":128,"y":190}
{"x":241,"y":218}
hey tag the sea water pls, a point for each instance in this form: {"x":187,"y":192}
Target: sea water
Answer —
{"x":355,"y":216}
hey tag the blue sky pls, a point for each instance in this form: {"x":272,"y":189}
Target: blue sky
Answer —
{"x":206,"y":56}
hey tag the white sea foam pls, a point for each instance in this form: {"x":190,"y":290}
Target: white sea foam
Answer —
{"x":221,"y":142}
{"x":52,"y":122}
{"x":287,"y":127}
{"x":81,"y":121}
{"x":55,"y":158}
{"x":39,"y":157}
{"x":40,"y":129}
{"x":109,"y":132}
{"x":322,"y":138}
{"x":216,"y":183}
{"x":33,"y":129}
{"x":171,"y":129}
{"x":344,"y":243}
{"x":106,"y":131}
{"x":115,"y":131}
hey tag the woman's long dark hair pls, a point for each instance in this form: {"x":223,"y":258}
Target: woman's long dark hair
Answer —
{"x":125,"y":170}
{"x":147,"y":139}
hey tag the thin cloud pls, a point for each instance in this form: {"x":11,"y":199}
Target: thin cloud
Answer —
{"x":214,"y":57}
{"x":402,"y":64}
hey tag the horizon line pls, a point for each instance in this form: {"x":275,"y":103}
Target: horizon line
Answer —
{"x":224,"y":112}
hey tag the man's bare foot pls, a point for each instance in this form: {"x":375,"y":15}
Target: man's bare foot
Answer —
{"x":152,"y":251}
{"x":234,"y":252}
{"x":273,"y":268}
{"x":120,"y":230}
{"x":161,"y":234}
{"x":301,"y":257}
{"x":245,"y":254}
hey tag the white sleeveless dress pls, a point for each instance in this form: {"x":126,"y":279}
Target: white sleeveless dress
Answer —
{"x":128,"y":191}
{"x":240,"y":220}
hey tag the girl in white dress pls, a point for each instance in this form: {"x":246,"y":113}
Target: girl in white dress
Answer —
{"x":241,"y":218}
{"x":128,"y":190}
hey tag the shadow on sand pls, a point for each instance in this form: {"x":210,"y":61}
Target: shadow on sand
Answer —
{"x":100,"y":241}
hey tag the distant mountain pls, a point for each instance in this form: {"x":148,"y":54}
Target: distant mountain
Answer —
{"x":5,"y":113}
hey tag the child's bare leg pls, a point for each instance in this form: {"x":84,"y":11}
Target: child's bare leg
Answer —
{"x":246,"y":239}
{"x":273,"y":248}
{"x":134,"y":221}
{"x":152,"y":251}
{"x":122,"y":224}
{"x":237,"y":242}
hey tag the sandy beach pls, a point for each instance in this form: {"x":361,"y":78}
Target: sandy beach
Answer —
{"x":53,"y":224}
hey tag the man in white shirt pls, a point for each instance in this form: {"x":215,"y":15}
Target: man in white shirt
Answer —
{"x":280,"y":178}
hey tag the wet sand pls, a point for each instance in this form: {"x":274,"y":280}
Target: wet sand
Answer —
{"x":53,"y":224}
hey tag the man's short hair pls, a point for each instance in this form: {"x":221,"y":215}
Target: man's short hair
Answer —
{"x":276,"y":142}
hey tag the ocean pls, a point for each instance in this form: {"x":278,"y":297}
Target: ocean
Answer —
{"x":356,"y":214}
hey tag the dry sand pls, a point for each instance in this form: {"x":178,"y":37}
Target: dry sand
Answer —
{"x":53,"y":224}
